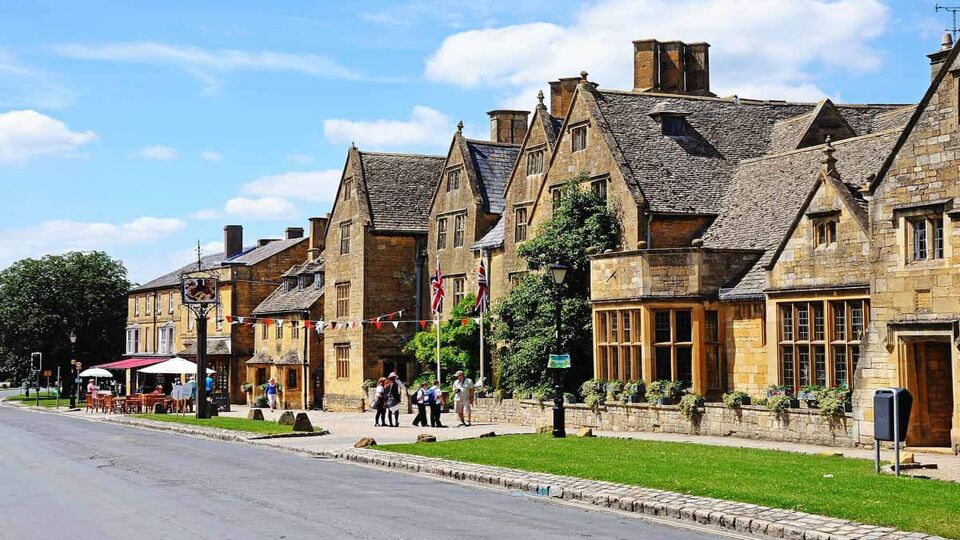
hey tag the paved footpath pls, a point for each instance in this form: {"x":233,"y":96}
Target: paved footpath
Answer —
{"x":741,"y":518}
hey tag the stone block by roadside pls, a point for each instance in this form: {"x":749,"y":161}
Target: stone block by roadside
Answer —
{"x":425,"y":438}
{"x":302,"y":423}
{"x":254,"y":414}
{"x":585,"y":432}
{"x":287,"y":418}
{"x":365,"y":442}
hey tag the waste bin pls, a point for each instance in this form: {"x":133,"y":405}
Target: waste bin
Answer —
{"x":883,"y":413}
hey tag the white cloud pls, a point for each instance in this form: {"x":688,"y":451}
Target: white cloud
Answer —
{"x":181,"y":257}
{"x":207,"y":64}
{"x":264,"y":208}
{"x":163,"y":153}
{"x":313,"y":186}
{"x":426,"y":126}
{"x":210,"y":155}
{"x":761,"y":45}
{"x":27,"y":134}
{"x":206,"y":214}
{"x":59,"y":236}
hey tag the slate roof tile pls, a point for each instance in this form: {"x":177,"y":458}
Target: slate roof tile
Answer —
{"x":493,"y":238}
{"x":400,"y":188}
{"x":493,"y":163}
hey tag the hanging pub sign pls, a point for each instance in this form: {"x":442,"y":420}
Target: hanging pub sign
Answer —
{"x":199,"y":291}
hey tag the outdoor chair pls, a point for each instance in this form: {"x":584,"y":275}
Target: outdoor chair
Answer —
{"x":90,"y":404}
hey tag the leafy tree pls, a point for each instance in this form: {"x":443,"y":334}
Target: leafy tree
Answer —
{"x":459,"y":344}
{"x":43,"y":300}
{"x":582,"y":222}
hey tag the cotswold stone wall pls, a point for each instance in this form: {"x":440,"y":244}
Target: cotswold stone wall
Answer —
{"x":750,"y":422}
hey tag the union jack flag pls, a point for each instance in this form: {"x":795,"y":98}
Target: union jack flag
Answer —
{"x":482,"y":290}
{"x":436,"y":283}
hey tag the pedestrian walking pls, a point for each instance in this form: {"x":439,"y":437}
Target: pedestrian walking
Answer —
{"x":393,"y":391}
{"x":420,"y":398}
{"x":271,"y":392}
{"x":463,"y":398}
{"x":380,"y":403}
{"x":435,"y":401}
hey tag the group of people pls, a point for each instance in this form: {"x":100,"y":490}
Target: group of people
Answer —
{"x":389,"y":392}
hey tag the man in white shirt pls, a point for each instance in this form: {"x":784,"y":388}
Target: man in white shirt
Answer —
{"x":463,"y":398}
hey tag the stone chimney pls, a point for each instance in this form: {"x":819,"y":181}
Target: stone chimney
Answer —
{"x":293,"y":232}
{"x":508,"y":126}
{"x":318,"y":236}
{"x":672,"y":67}
{"x":561,"y":94}
{"x":232,"y":240}
{"x":937,"y":59}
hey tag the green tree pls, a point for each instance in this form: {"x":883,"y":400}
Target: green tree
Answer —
{"x":43,"y":301}
{"x":582,"y":222}
{"x":459,"y":343}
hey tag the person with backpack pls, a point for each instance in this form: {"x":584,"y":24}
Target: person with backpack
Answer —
{"x":420,"y":398}
{"x":435,"y":401}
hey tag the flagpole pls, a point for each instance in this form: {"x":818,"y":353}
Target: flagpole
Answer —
{"x":482,"y":311}
{"x":436,"y":323}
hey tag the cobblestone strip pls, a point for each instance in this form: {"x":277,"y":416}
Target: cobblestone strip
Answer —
{"x":742,"y":517}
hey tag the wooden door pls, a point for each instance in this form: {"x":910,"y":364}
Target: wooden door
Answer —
{"x":931,"y":384}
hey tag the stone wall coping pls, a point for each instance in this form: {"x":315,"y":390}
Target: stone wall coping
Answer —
{"x":648,"y":406}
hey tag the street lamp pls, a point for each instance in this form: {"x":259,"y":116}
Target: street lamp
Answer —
{"x":73,"y":371}
{"x":558,"y":272}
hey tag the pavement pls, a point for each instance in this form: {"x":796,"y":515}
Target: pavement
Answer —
{"x":102,"y":480}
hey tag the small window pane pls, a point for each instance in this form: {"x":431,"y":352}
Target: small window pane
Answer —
{"x":664,"y":364}
{"x":820,"y":364}
{"x":685,"y":365}
{"x":786,"y":317}
{"x":803,"y":323}
{"x":661,"y":326}
{"x":840,"y":365}
{"x":684,"y":328}
{"x":840,"y":321}
{"x":789,"y":379}
{"x":803,"y":356}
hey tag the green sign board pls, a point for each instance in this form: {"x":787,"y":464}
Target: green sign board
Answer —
{"x":560,"y":361}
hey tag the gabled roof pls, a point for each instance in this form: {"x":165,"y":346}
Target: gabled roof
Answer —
{"x":551,"y":125}
{"x":399,"y":188}
{"x":250,"y":256}
{"x":766,"y":193}
{"x":493,"y":163}
{"x":493,"y":238}
{"x":295,"y":299}
{"x":690,"y":174}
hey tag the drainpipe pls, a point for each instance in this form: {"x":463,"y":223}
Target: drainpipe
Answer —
{"x":304,"y":315}
{"x":419,"y":256}
{"x":649,"y":234}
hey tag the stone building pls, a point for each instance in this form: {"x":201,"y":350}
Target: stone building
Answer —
{"x":374,"y":265}
{"x":290,"y":349}
{"x":824,"y":256}
{"x":468,"y":203}
{"x":247,"y":275}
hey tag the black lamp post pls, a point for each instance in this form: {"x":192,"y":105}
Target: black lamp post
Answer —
{"x":75,"y":389}
{"x":558,"y":272}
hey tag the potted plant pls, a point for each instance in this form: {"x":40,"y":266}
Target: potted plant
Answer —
{"x":569,"y":398}
{"x":777,"y":390}
{"x":779,"y":404}
{"x":632,"y":392}
{"x":835,"y":401}
{"x":736,"y":399}
{"x":613,"y":390}
{"x":809,"y":393}
{"x":540,"y":394}
{"x":664,"y":392}
{"x":593,"y":391}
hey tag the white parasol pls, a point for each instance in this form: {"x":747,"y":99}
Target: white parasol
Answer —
{"x":96,"y":373}
{"x":174,"y":366}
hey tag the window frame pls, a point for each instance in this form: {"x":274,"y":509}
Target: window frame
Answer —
{"x":459,"y":230}
{"x":578,"y":138}
{"x":672,"y":344}
{"x":813,"y":361}
{"x":520,"y":223}
{"x":926,"y":240}
{"x":441,"y":232}
{"x":453,"y":180}
{"x":347,"y":189}
{"x":535,"y":161}
{"x":345,"y":234}
{"x":342,"y":359}
{"x":619,"y":344}
{"x":343,"y":299}
{"x":459,"y":289}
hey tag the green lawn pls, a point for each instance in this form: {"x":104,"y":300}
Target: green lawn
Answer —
{"x":831,"y":486}
{"x":46,"y":399}
{"x":223,"y":422}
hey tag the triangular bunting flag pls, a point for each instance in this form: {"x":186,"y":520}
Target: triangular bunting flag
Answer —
{"x":308,"y":324}
{"x":229,"y":318}
{"x":240,"y":320}
{"x":396,"y":324}
{"x":391,"y":315}
{"x":377,"y":323}
{"x":267,"y":322}
{"x":423,"y":324}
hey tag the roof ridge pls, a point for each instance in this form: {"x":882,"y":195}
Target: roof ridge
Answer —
{"x":897,"y":109}
{"x":399,"y":154}
{"x":821,"y":146}
{"x":747,"y":101}
{"x":492,"y":143}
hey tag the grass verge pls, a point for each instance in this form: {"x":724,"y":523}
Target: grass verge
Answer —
{"x":46,"y":400}
{"x":223,"y":422}
{"x":829,"y":486}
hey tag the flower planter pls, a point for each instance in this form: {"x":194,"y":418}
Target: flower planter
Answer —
{"x":776,"y":393}
{"x":794,"y":403}
{"x":569,"y":400}
{"x":745,"y":401}
{"x":806,"y":396}
{"x":667,"y":401}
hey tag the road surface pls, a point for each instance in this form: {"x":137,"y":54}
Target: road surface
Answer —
{"x":70,"y":478}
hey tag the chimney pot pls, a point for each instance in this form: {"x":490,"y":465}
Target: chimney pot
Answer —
{"x":947,"y":43}
{"x":671,"y":67}
{"x":318,"y":236}
{"x":232,"y":240}
{"x":293,"y":232}
{"x":561,"y":94}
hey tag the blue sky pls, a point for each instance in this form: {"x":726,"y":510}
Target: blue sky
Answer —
{"x":141,"y":129}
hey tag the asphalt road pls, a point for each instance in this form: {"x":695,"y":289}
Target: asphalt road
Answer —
{"x":65,"y":477}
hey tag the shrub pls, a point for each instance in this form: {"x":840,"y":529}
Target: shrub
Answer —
{"x":689,"y":405}
{"x":614,"y":390}
{"x":591,"y":400}
{"x":246,"y":387}
{"x":735,"y":399}
{"x":369,"y":383}
{"x":260,"y":402}
{"x":541,"y":393}
{"x":632,"y":388}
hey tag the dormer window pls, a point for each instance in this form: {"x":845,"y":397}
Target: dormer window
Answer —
{"x":318,"y":280}
{"x":673,"y":125}
{"x":304,"y":281}
{"x":289,"y":283}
